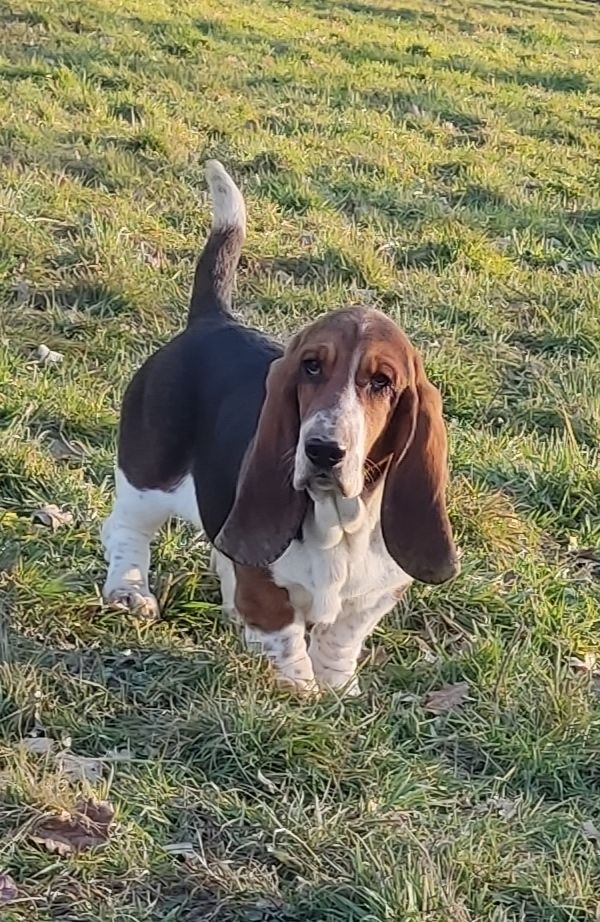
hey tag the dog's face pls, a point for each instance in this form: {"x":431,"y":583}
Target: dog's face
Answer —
{"x":350,"y":372}
{"x":348,"y":404}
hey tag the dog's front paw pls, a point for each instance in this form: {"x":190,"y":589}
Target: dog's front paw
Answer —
{"x":141,"y":605}
{"x":344,"y":685}
{"x":299,"y":687}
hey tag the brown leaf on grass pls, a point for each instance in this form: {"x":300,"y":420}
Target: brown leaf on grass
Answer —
{"x":591,"y":832}
{"x":504,"y":807}
{"x":363,"y":295}
{"x":22,"y":291}
{"x":376,"y":655}
{"x":583,"y":562}
{"x":307,"y":239}
{"x":61,"y":450}
{"x":446,"y":698}
{"x":118,"y":755}
{"x":47,"y":356}
{"x":183,"y":850}
{"x":37,"y":745}
{"x":151,"y":255}
{"x":88,"y":826}
{"x":8,"y":889}
{"x":80,"y":768}
{"x":417,"y":110}
{"x":267,"y":783}
{"x":428,"y":655}
{"x":589,"y":667}
{"x":51,"y":515}
{"x":587,"y":664}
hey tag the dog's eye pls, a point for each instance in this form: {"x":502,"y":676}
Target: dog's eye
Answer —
{"x":380,"y":382}
{"x":312,"y":367}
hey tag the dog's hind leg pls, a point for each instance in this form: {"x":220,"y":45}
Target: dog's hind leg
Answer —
{"x":135,"y":519}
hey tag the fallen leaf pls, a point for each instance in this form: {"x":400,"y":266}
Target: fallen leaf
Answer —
{"x":446,"y":698}
{"x":501,"y":805}
{"x":266,"y":782}
{"x":37,"y":745}
{"x":263,"y":908}
{"x":79,"y":768}
{"x":590,"y":667}
{"x":118,"y":755}
{"x":506,"y":808}
{"x":587,"y":664}
{"x":47,"y":356}
{"x":8,"y":889}
{"x":376,"y":656}
{"x":88,"y":826}
{"x":52,"y":516}
{"x":428,"y":655}
{"x":22,"y":291}
{"x":591,"y":832}
{"x":404,"y":698}
{"x":417,"y":49}
{"x":417,"y":110}
{"x":151,"y":255}
{"x":61,"y":450}
{"x":363,"y":295}
{"x":182,"y":850}
{"x":388,"y":249}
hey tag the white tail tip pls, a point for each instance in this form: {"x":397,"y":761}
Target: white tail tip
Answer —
{"x":229,"y":209}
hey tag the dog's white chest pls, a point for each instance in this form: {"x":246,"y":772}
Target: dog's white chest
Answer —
{"x":341,"y":564}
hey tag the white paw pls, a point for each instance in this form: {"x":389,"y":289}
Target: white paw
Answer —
{"x":139,"y":604}
{"x":344,"y":685}
{"x":303,"y":688}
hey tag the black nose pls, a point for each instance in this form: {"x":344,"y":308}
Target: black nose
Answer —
{"x":324,"y":454}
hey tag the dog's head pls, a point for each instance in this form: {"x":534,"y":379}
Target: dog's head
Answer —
{"x":347,"y":404}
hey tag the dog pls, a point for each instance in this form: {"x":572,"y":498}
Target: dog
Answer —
{"x":317,"y":471}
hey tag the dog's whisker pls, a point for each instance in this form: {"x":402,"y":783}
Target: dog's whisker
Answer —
{"x":372,"y":471}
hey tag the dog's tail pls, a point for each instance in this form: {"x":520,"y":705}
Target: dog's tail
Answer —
{"x":215,"y":271}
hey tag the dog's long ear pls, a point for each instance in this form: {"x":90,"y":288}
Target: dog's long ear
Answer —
{"x":415,"y":524}
{"x":267,"y":512}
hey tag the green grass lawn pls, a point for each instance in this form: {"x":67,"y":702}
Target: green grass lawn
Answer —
{"x":440,"y":160}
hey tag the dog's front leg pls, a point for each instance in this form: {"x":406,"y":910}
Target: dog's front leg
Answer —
{"x":273,"y":628}
{"x":335,"y":648}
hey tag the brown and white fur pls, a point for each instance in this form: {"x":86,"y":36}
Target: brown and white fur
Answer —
{"x":317,"y":472}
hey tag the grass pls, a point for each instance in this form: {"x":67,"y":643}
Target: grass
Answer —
{"x":439,"y":160}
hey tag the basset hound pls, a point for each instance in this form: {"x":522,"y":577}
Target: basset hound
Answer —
{"x":317,"y":471}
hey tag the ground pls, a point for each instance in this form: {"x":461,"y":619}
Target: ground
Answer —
{"x":440,"y":160}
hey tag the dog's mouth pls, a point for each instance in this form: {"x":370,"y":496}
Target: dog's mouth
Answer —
{"x":325,"y":480}
{"x":330,"y":483}
{"x":326,"y":486}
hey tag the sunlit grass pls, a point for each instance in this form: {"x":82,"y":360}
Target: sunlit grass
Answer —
{"x":438,"y":161}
